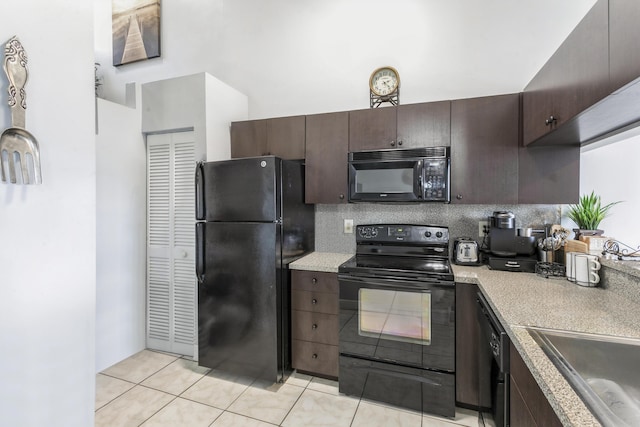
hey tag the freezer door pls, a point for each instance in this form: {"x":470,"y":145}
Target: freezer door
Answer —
{"x":241,"y":190}
{"x":240,"y":300}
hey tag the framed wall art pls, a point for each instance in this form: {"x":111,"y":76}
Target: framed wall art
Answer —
{"x":135,"y":26}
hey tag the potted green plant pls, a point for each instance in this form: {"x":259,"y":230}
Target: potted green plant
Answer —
{"x":588,"y":214}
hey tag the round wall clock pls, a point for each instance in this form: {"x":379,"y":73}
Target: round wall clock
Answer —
{"x":384,"y":86}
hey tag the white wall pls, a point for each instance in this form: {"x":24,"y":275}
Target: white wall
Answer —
{"x":299,"y":57}
{"x":120,"y":233}
{"x":47,"y":232}
{"x":612,"y":172}
{"x":199,"y":102}
{"x":223,"y":105}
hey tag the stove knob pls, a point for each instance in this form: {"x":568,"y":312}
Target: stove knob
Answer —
{"x":427,"y":234}
{"x":439,"y":234}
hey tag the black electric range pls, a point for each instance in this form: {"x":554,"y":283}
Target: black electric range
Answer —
{"x":397,"y":318}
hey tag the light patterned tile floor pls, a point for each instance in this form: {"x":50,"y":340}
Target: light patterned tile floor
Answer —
{"x":154,"y":389}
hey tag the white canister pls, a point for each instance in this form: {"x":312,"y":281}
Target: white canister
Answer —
{"x":586,"y":268}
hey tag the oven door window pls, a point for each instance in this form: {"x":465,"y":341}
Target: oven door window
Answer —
{"x":395,"y":315}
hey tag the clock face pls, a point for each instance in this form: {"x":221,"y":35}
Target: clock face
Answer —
{"x":384,"y":81}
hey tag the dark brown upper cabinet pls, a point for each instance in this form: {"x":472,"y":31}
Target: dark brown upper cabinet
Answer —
{"x":283,"y":137}
{"x":624,"y":35}
{"x":484,"y":149}
{"x":286,"y":137}
{"x":549,"y":175}
{"x":574,"y":78}
{"x":327,"y":146}
{"x":372,"y":129}
{"x":427,"y":124}
{"x":248,"y":138}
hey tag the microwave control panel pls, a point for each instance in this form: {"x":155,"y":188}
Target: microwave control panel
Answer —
{"x":436,"y":178}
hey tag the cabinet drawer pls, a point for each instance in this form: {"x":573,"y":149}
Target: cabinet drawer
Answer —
{"x":318,"y":302}
{"x":315,"y":358}
{"x":314,"y":281}
{"x":316,"y":327}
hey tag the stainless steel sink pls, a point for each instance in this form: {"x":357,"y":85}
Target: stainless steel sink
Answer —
{"x":604,"y":371}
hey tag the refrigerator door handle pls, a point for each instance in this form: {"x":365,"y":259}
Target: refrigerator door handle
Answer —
{"x":200,"y":208}
{"x":200,"y":251}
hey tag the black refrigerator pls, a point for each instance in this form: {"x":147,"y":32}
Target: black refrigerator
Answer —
{"x":252,"y":223}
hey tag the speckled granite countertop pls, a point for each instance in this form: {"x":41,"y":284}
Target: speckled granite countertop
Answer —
{"x":320,"y":261}
{"x":524,"y":299}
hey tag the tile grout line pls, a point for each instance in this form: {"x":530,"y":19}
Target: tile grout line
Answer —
{"x":162,"y":391}
{"x":356,"y":411}
{"x":254,"y":381}
{"x":160,"y":409}
{"x":294,"y":403}
{"x":129,"y":389}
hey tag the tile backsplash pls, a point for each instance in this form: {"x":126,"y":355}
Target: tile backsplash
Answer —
{"x":462,"y":220}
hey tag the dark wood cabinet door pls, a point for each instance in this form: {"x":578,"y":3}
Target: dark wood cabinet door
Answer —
{"x":372,"y":129}
{"x":519,"y":414}
{"x":484,"y":149}
{"x":286,"y":137}
{"x":467,"y":344}
{"x":424,"y":125}
{"x":624,"y":35}
{"x":574,"y":78}
{"x":326,"y":152}
{"x":549,"y":175}
{"x":249,"y":138}
{"x":529,"y":392}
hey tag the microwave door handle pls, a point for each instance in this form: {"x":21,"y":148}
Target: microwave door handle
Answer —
{"x":420,"y":170}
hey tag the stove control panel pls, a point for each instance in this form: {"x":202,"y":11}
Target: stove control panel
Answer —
{"x":407,"y":233}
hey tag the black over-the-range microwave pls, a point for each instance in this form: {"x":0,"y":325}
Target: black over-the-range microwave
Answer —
{"x":406,"y":175}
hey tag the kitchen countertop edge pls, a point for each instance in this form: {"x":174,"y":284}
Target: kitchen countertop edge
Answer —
{"x":505,"y":291}
{"x":327,"y":262}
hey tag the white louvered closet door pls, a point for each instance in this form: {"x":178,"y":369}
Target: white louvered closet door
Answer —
{"x":171,"y":277}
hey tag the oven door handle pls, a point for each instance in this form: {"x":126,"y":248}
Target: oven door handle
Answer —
{"x":389,"y":372}
{"x":395,"y":282}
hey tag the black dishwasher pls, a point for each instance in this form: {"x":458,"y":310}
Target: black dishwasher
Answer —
{"x":493,"y":367}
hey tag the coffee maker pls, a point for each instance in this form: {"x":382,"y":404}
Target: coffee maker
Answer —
{"x":509,"y":250}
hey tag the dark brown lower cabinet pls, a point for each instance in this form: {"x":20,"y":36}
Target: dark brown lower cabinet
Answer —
{"x":314,"y":322}
{"x":529,"y":406}
{"x":467,"y":345}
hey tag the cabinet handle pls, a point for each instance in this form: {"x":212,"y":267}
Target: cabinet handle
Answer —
{"x":314,"y":356}
{"x":399,"y":142}
{"x":393,"y":143}
{"x":459,"y":197}
{"x":314,"y":301}
{"x":314,"y":280}
{"x":314,"y":326}
{"x":550,"y":121}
